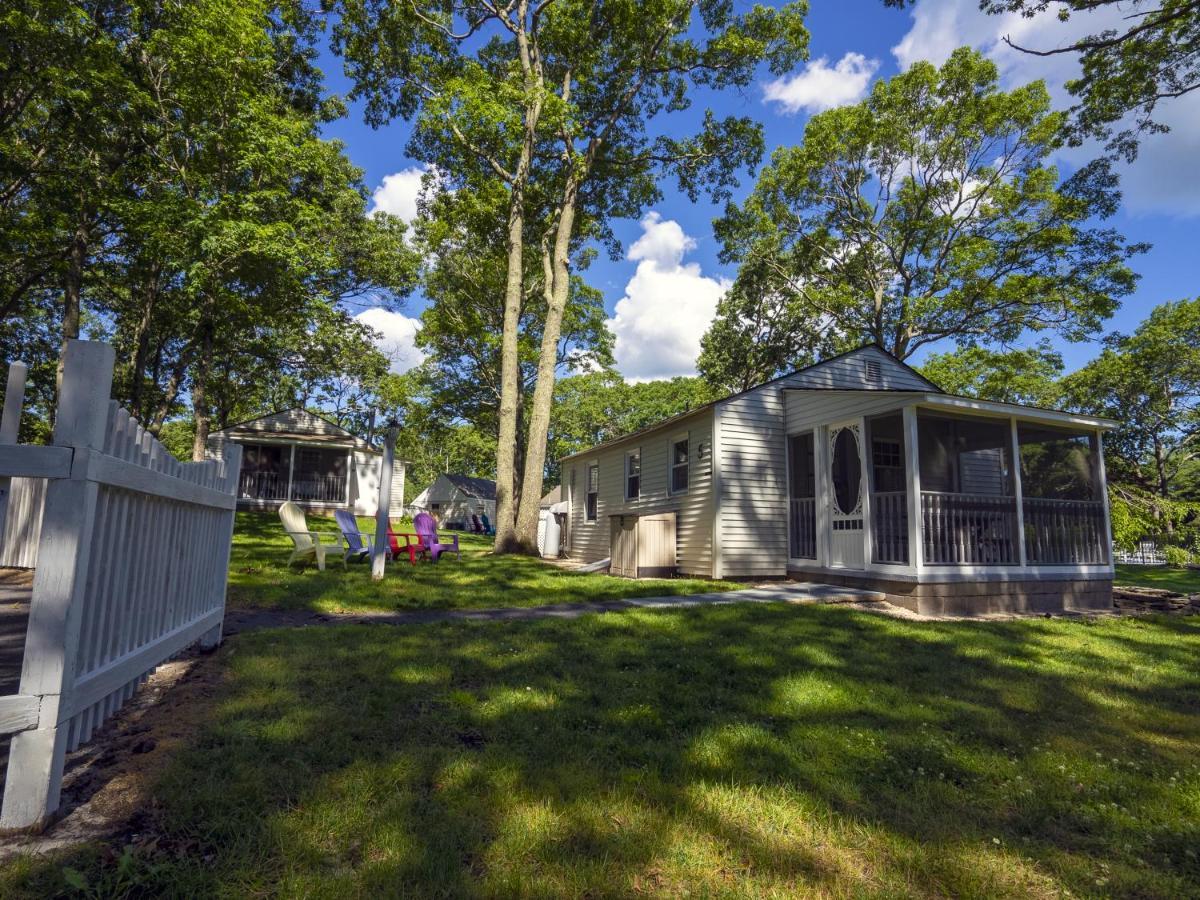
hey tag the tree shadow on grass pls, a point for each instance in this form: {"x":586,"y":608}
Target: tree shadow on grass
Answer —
{"x":748,"y":750}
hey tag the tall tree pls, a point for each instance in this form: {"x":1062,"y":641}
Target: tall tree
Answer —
{"x":1136,"y":57}
{"x":1026,"y":375}
{"x":1149,"y":382}
{"x":561,"y":99}
{"x":927,"y":212}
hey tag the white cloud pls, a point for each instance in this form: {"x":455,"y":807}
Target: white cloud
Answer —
{"x":397,"y":337}
{"x":398,"y":193}
{"x":820,"y":87}
{"x":667,"y":307}
{"x":1152,"y":184}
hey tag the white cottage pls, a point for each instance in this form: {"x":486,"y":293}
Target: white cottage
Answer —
{"x":296,"y":455}
{"x":453,"y":499}
{"x":859,"y":471}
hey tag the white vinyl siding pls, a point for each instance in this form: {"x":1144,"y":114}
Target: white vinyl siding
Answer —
{"x":590,"y":541}
{"x":754,"y":428}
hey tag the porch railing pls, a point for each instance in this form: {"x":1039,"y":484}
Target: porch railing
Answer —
{"x":889,"y":527}
{"x":274,"y":486}
{"x":320,"y":489}
{"x":1064,"y":532}
{"x":262,"y":486}
{"x":969,"y":529}
{"x":803,"y":528}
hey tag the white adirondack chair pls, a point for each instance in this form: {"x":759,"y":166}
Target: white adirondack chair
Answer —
{"x":309,"y":544}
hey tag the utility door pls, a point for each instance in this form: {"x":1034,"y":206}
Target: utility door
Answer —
{"x":624,"y":549}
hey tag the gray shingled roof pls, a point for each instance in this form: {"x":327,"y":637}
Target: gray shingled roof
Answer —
{"x":479,"y":488}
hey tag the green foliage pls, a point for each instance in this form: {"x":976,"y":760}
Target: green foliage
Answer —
{"x":600,"y":406}
{"x":927,"y":212}
{"x":1026,"y":375}
{"x":1177,"y":556}
{"x":165,"y":175}
{"x":1149,"y":382}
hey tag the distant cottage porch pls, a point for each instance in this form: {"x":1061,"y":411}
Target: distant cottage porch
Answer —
{"x":921,"y":497}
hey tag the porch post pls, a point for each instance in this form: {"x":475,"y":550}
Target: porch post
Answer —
{"x":1017,"y":490}
{"x":866,"y":479}
{"x":912,"y":464}
{"x":821,"y":463}
{"x":291,"y":468}
{"x":1103,"y":477}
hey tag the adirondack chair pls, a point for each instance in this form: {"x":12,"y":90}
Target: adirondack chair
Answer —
{"x":487,"y":526}
{"x":308,"y":544}
{"x":476,"y":525}
{"x":358,"y":544}
{"x":413,"y":550}
{"x":426,"y":529}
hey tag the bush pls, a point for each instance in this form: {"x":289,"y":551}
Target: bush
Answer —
{"x":1177,"y":556}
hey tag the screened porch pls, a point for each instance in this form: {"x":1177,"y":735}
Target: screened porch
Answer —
{"x":279,"y":472}
{"x":864,"y":491}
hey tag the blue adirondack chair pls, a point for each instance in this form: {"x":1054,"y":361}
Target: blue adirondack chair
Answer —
{"x":358,"y":544}
{"x":487,"y":526}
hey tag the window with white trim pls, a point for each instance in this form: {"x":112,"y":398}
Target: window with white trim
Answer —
{"x":633,"y":474}
{"x":593,"y":491}
{"x":679,"y":460}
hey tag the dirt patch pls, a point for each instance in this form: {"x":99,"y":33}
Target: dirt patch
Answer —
{"x":22,"y":578}
{"x":1136,"y":600}
{"x":107,"y":784}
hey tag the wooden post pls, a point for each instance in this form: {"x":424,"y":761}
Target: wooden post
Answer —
{"x":10,"y":425}
{"x":35,"y":761}
{"x":912,"y":465}
{"x":380,"y":547}
{"x":1018,"y":493}
{"x":1102,"y":477}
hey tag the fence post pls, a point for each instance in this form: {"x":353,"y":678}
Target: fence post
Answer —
{"x":211,"y":639}
{"x":35,"y":762}
{"x":10,"y":426}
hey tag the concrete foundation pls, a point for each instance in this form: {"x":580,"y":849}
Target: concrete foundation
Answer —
{"x":981,"y":596}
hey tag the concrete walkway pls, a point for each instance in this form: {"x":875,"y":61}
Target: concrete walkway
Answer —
{"x":237,"y":620}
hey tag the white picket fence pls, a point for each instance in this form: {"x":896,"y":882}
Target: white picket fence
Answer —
{"x":132,"y":555}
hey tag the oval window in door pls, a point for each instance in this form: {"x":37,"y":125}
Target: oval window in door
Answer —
{"x":846,"y":472}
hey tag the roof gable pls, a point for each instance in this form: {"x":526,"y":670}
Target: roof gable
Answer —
{"x":865,"y":369}
{"x":295,"y":422}
{"x":479,"y":488}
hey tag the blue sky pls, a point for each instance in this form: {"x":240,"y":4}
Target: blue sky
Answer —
{"x":671,"y":266}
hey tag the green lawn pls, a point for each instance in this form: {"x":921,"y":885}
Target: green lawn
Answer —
{"x":757,"y":751}
{"x":260,"y":577}
{"x":1182,"y":581}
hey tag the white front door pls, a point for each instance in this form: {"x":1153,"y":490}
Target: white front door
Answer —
{"x":846,"y":496}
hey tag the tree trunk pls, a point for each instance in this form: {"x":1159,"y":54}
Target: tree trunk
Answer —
{"x":514,"y":287}
{"x":543,"y":392}
{"x":73,"y":287}
{"x":200,"y":411}
{"x":141,"y":353}
{"x":506,"y":443}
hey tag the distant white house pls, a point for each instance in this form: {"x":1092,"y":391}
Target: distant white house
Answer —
{"x":295,"y":455}
{"x":454,"y":498}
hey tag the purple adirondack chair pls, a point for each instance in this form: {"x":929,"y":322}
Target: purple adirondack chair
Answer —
{"x":426,"y":529}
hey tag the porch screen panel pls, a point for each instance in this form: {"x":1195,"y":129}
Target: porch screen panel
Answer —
{"x":889,"y":490}
{"x":802,"y":481}
{"x":320,"y":475}
{"x":1061,"y":499}
{"x":264,"y":474}
{"x":968,"y":502}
